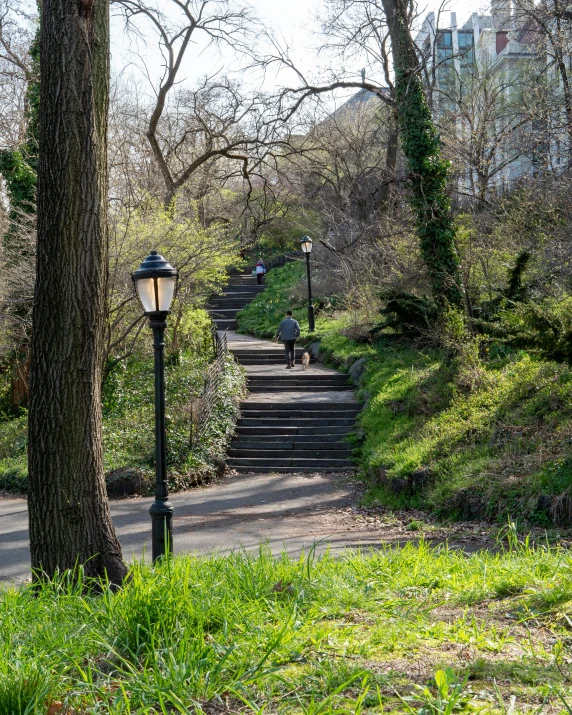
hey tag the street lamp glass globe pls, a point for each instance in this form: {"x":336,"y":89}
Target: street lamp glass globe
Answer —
{"x":306,"y":244}
{"x":155,"y":282}
{"x":165,"y":291}
{"x":145,"y":288}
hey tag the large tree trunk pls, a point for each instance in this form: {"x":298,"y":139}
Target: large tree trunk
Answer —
{"x":70,"y":523}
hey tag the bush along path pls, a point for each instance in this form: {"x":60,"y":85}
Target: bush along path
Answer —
{"x":292,"y":421}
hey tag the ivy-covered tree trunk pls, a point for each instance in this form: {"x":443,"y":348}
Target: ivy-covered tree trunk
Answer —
{"x":428,"y":170}
{"x":70,"y":522}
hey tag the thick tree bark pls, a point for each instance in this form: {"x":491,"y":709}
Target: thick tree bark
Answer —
{"x":70,"y":523}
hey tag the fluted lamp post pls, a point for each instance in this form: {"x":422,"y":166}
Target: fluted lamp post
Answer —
{"x":306,"y":244}
{"x":155,"y":283}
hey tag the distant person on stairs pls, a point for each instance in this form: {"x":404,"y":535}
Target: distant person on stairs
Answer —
{"x":289,"y":332}
{"x":260,"y":271}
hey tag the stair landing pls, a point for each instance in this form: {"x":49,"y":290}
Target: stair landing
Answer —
{"x":238,"y":343}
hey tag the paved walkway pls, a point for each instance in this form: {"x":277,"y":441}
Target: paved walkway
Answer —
{"x":288,"y":511}
{"x":248,"y":342}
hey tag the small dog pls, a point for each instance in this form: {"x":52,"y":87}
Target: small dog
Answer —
{"x":305,"y":360}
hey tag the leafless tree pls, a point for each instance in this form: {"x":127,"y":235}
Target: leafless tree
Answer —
{"x":547,"y":25}
{"x":485,"y":116}
{"x":17,"y":29}
{"x":217,"y":121}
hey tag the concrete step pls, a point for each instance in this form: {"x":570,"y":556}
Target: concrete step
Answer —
{"x":236,"y":294}
{"x":256,"y":441}
{"x":289,"y":454}
{"x":278,"y":360}
{"x":272,"y":361}
{"x":288,"y":470}
{"x":300,"y":388}
{"x":237,"y":303}
{"x":322,"y":406}
{"x":254,"y":448}
{"x":233,"y":297}
{"x":293,"y":385}
{"x":288,"y":431}
{"x":288,"y":414}
{"x":272,"y":352}
{"x":222,"y":306}
{"x":211,"y":309}
{"x":278,"y":425}
{"x":319,"y":464}
{"x":297,"y":375}
{"x":282,"y":361}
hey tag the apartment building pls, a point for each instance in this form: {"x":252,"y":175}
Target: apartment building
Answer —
{"x":478,"y":79}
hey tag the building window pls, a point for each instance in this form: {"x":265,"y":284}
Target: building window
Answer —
{"x":445,"y":39}
{"x":466,"y":42}
{"x":444,"y":46}
{"x":465,"y":38}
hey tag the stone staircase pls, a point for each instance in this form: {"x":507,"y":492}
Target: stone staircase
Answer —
{"x":292,"y":420}
{"x":295,"y":437}
{"x":239,"y":292}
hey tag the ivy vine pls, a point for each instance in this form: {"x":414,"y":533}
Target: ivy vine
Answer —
{"x":428,"y":173}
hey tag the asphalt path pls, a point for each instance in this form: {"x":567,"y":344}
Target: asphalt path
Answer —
{"x":289,"y":512}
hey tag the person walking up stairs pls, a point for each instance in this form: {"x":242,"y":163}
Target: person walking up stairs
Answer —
{"x":288,"y":331}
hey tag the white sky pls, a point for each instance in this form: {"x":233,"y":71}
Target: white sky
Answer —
{"x":293,"y":20}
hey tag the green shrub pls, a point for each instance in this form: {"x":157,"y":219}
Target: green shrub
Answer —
{"x":544,"y":326}
{"x":407,"y":314}
{"x":128,"y":421}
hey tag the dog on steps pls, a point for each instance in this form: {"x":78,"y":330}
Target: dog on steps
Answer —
{"x":305,"y":360}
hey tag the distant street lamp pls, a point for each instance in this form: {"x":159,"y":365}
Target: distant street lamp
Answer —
{"x":155,"y":282}
{"x":306,"y":244}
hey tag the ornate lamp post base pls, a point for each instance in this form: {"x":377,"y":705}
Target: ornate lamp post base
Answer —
{"x":161,"y":512}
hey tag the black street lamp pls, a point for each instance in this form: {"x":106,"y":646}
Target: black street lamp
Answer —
{"x":306,"y":244}
{"x":155,"y":282}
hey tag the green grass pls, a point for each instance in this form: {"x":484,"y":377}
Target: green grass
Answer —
{"x":489,"y":451}
{"x":410,"y":629}
{"x":502,"y":445}
{"x":262,"y":316}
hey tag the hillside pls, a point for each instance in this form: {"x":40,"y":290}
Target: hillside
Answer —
{"x":467,"y":436}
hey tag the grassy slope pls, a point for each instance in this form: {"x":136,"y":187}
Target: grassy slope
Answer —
{"x":262,"y":316}
{"x":492,"y":451}
{"x":316,"y":636}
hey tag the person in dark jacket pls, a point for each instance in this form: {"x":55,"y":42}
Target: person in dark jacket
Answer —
{"x":289,"y":332}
